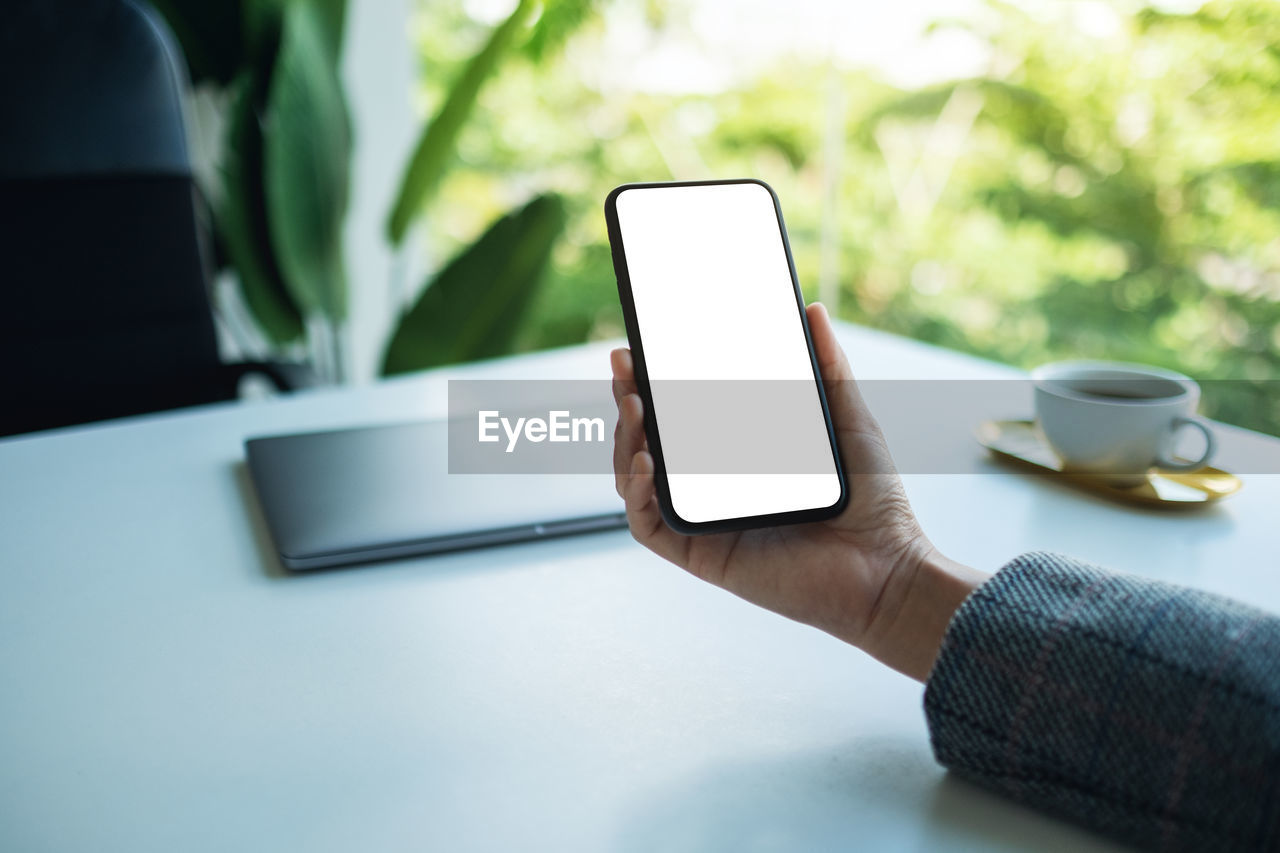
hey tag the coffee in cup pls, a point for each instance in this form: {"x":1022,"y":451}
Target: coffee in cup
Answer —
{"x":1117,"y":420}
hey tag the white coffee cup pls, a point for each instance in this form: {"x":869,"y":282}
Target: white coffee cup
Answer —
{"x":1117,"y":419}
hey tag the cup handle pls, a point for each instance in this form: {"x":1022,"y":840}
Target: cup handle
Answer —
{"x":1179,"y":422}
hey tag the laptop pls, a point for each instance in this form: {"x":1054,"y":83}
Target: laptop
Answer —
{"x":359,"y":495}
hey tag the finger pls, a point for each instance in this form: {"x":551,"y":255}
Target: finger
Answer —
{"x":837,"y":375}
{"x":628,"y":438}
{"x":831,"y":358}
{"x":853,"y":420}
{"x":624,"y":375}
{"x":644,"y":517}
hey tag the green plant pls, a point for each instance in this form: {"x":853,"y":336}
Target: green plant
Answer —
{"x":1109,"y":192}
{"x":282,"y":191}
{"x":1133,"y":185}
{"x":281,"y":197}
{"x":472,"y":308}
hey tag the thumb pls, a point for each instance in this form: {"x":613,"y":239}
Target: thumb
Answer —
{"x":861,"y":443}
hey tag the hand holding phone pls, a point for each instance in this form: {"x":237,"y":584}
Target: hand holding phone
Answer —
{"x":868,"y":576}
{"x":862,"y":569}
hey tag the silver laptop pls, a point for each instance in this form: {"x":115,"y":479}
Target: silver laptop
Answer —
{"x":359,"y":495}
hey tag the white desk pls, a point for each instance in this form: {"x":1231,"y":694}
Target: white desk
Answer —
{"x":165,"y":686}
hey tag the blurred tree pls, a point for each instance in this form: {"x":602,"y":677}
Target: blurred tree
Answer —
{"x":1103,"y":192}
{"x":1145,"y":165}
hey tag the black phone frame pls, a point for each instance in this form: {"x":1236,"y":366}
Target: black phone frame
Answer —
{"x":669,"y":514}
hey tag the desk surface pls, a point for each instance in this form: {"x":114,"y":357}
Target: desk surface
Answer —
{"x":165,"y":686}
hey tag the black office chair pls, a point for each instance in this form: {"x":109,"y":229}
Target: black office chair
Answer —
{"x":104,"y":281}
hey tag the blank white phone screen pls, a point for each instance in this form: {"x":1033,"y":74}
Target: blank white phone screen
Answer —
{"x":735,"y":398}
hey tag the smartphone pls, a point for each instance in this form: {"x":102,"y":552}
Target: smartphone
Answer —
{"x":735,"y":412}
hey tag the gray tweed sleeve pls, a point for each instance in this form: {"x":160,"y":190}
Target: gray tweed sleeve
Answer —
{"x":1146,"y":711}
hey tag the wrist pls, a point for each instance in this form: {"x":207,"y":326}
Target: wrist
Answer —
{"x":922,"y":594}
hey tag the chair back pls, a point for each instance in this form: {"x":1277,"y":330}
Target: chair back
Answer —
{"x":104,"y":285}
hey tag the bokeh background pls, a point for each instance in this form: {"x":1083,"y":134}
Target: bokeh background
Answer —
{"x":1025,"y":181}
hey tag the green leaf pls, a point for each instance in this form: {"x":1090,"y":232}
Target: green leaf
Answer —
{"x":307,"y":159}
{"x":437,"y":143}
{"x":472,"y":309}
{"x":261,"y":21}
{"x":242,"y":224}
{"x":210,"y":35}
{"x":333,"y":19}
{"x":558,"y":21}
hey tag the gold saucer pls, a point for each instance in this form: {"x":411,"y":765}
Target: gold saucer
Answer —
{"x":1021,"y":442}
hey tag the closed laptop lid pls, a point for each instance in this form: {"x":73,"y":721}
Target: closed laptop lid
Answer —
{"x":357,"y":495}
